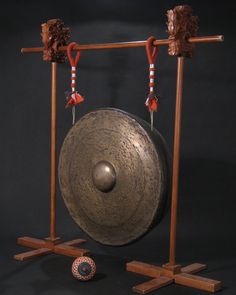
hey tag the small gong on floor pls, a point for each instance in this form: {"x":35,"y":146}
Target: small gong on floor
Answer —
{"x":83,"y":268}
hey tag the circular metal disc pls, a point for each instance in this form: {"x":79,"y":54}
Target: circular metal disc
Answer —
{"x":113,"y":175}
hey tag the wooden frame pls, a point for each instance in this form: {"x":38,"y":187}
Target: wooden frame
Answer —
{"x":51,"y":244}
{"x":169,"y":272}
{"x":172,"y":272}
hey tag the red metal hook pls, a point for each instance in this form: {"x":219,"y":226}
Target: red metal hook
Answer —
{"x":73,"y":62}
{"x":151,"y":53}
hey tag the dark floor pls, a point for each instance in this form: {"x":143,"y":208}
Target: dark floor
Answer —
{"x":51,"y":275}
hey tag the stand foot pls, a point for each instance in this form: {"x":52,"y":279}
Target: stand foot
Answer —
{"x":144,"y":269}
{"x":152,"y":285}
{"x":167,"y":274}
{"x":193,"y":268}
{"x":43,"y":247}
{"x":32,"y":253}
{"x":197,"y":282}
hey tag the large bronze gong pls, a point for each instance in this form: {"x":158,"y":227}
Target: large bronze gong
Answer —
{"x":114,"y":176}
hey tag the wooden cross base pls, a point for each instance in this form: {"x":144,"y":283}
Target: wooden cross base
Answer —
{"x":42,"y":247}
{"x":167,"y":274}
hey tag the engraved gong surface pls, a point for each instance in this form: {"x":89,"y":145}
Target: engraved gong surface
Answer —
{"x":114,"y":176}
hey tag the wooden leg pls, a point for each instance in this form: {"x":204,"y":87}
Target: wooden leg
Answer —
{"x":47,"y":245}
{"x":197,"y":282}
{"x":70,"y":251}
{"x":31,"y":242}
{"x":152,"y":285}
{"x":144,"y":269}
{"x":168,"y":273}
{"x":32,"y":253}
{"x":193,"y":268}
{"x":74,"y":242}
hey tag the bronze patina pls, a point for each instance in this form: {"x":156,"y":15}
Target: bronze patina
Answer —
{"x":114,"y":176}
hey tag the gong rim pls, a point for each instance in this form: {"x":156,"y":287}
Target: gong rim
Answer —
{"x":95,"y":223}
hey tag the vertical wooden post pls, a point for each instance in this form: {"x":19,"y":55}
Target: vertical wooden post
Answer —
{"x":172,"y":272}
{"x":176,"y":157}
{"x":53,"y":154}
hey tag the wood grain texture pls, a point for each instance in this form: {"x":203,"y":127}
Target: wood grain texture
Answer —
{"x":132,"y":44}
{"x":55,"y":241}
{"x":193,"y":268}
{"x":70,"y":251}
{"x":31,"y":242}
{"x":171,"y":273}
{"x":53,"y":152}
{"x":32,"y":254}
{"x":144,"y":269}
{"x":176,"y":159}
{"x":170,"y":270}
{"x":152,"y":285}
{"x":54,"y":35}
{"x":47,"y":246}
{"x":198,"y":282}
{"x":181,"y":26}
{"x":74,"y":242}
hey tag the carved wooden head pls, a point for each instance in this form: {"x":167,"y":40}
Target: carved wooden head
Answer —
{"x":181,"y":26}
{"x":54,"y":35}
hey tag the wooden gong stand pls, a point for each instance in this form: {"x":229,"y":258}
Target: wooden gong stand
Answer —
{"x":52,"y":244}
{"x":171,"y":272}
{"x":53,"y":35}
{"x":181,"y":23}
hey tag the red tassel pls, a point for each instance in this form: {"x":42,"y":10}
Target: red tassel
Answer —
{"x":74,"y":99}
{"x":152,"y":104}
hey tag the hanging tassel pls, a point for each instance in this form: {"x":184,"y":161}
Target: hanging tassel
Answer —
{"x":152,"y":105}
{"x":152,"y":100}
{"x":73,"y":98}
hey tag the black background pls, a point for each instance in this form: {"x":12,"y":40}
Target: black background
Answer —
{"x":117,"y":78}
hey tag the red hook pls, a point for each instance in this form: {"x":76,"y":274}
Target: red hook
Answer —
{"x":152,"y":100}
{"x":74,"y":97}
{"x":151,"y":53}
{"x":73,"y":62}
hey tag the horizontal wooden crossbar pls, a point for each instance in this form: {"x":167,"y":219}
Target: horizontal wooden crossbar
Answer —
{"x":132,"y":44}
{"x":45,"y":246}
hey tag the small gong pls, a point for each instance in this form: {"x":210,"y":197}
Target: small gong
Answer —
{"x":83,"y":268}
{"x":114,"y":176}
